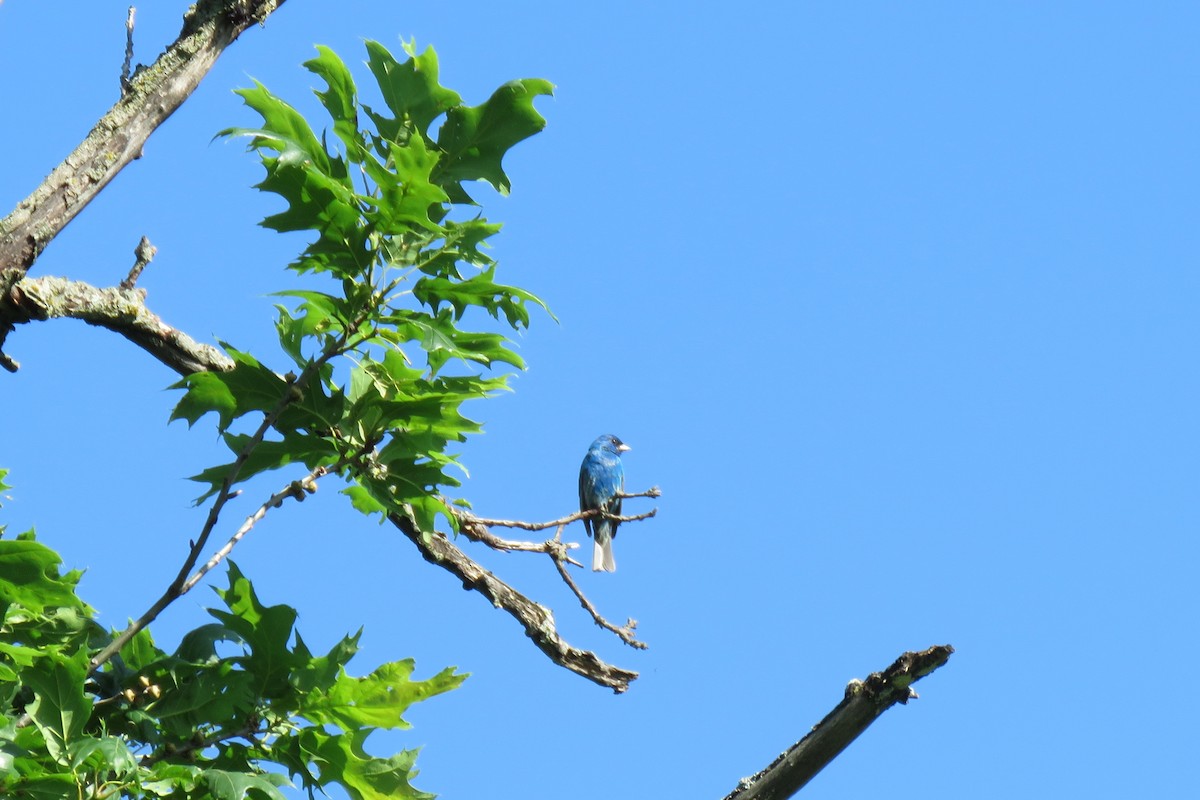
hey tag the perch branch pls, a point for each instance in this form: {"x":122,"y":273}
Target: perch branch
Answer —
{"x":537,"y":620}
{"x":478,"y":529}
{"x":154,"y":93}
{"x":863,"y":703}
{"x":120,"y":309}
{"x":558,"y":523}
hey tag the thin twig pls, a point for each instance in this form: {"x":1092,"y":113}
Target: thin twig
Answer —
{"x":183,"y":582}
{"x":555,"y":523}
{"x":126,"y":84}
{"x":144,"y":254}
{"x":476,"y":530}
{"x":626,"y":632}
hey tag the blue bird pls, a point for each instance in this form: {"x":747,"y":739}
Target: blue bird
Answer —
{"x":601,"y":481}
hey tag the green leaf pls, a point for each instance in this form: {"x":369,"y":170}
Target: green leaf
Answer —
{"x":59,"y":708}
{"x":340,"y":99}
{"x":377,"y":700}
{"x":102,"y":754}
{"x":265,"y":456}
{"x":266,"y":630}
{"x":475,"y":138}
{"x":342,"y":759}
{"x":322,"y":672}
{"x":46,"y":787}
{"x":249,"y":386}
{"x":410,"y":90}
{"x":406,"y":191}
{"x":30,"y":575}
{"x":226,"y":785}
{"x":140,"y":651}
{"x":284,"y":128}
{"x":168,"y":779}
{"x":364,"y":502}
{"x":479,"y":291}
{"x":199,"y":646}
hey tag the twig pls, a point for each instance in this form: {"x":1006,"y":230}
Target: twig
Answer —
{"x":558,"y":523}
{"x":653,"y":491}
{"x":126,"y":85}
{"x":183,"y":580}
{"x":247,"y":732}
{"x":295,"y":490}
{"x":476,"y":530}
{"x":625,"y":633}
{"x":863,"y":703}
{"x":144,"y":253}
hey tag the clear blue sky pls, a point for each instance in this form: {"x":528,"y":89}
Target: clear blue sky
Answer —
{"x":897,"y":303}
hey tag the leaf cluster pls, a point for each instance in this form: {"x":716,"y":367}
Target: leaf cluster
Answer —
{"x":239,"y":708}
{"x":383,"y":362}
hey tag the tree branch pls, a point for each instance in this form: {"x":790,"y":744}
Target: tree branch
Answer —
{"x":537,"y":620}
{"x":863,"y":703}
{"x":119,"y":309}
{"x":117,"y":138}
{"x":477,"y":529}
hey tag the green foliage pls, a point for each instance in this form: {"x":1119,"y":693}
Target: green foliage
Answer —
{"x":382,"y":364}
{"x":238,"y":709}
{"x":400,"y":333}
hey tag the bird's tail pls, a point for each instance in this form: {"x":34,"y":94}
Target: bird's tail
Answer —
{"x":602,"y":554}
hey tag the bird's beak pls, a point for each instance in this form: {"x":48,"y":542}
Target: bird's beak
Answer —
{"x":623,"y":447}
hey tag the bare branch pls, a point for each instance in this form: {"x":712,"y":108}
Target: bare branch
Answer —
{"x":863,"y":703}
{"x":537,"y":620}
{"x":476,"y":529}
{"x":626,"y":632}
{"x":558,"y":523}
{"x":118,"y":137}
{"x":118,"y":309}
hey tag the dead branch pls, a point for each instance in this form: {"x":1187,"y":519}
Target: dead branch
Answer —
{"x":537,"y":620}
{"x":477,"y":529}
{"x":863,"y":703}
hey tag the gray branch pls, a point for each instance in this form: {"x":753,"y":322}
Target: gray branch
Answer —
{"x":863,"y":703}
{"x":116,"y":308}
{"x":537,"y":620}
{"x":117,"y":138}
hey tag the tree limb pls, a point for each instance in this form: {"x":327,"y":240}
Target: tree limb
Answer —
{"x":119,"y":309}
{"x":863,"y":703}
{"x":117,"y":138}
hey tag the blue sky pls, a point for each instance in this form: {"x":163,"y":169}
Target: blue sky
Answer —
{"x":896,"y":304}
